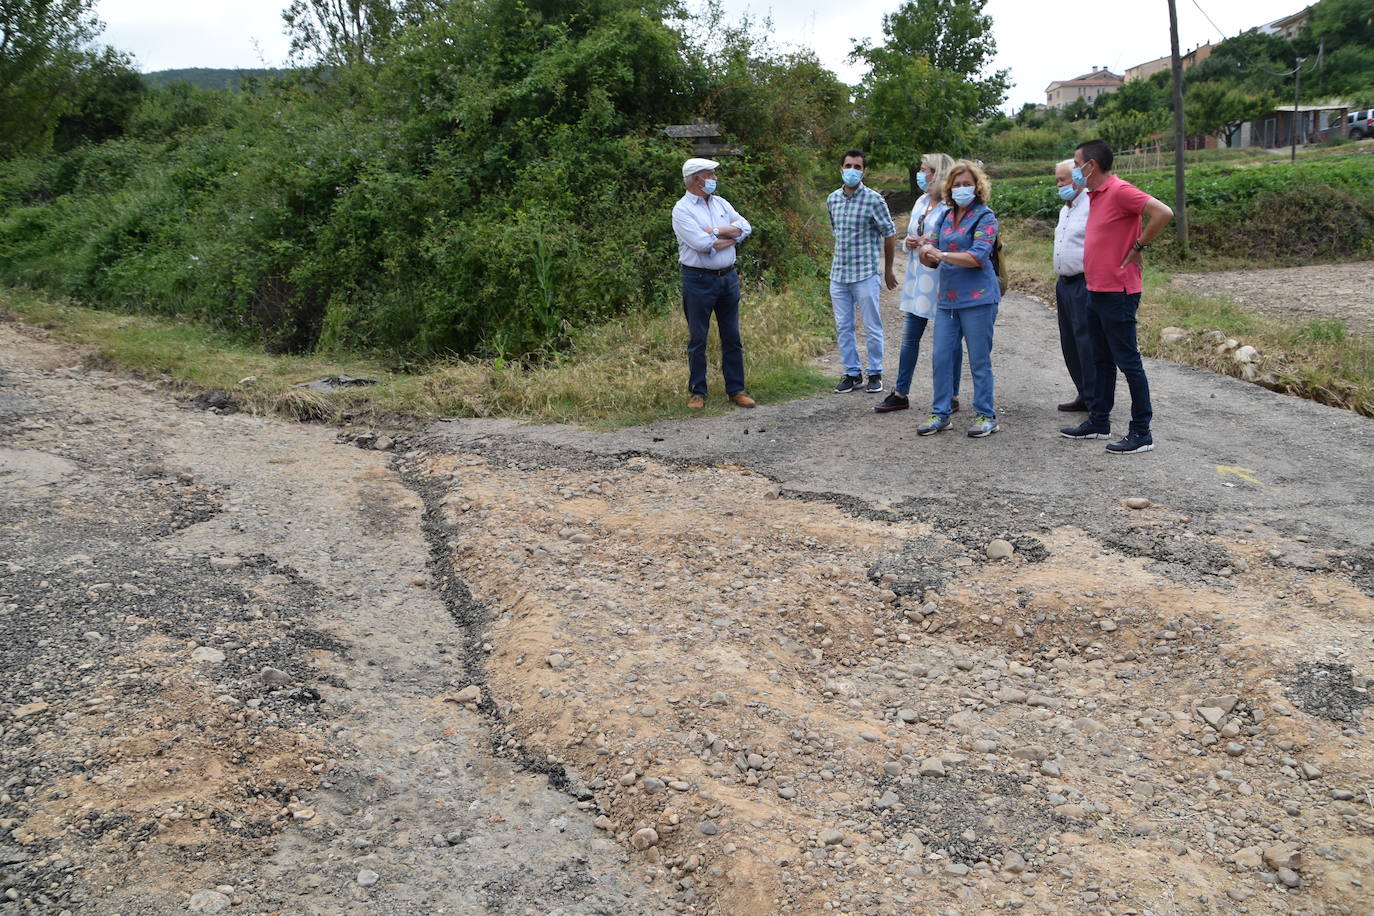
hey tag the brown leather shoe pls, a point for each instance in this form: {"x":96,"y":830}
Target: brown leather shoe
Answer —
{"x":742,"y":400}
{"x":1073,"y":406}
{"x":696,"y":402}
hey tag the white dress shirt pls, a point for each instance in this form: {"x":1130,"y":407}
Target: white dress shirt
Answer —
{"x":693,"y":219}
{"x":1069,"y":236}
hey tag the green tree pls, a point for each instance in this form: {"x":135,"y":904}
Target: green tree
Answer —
{"x":1129,"y":129}
{"x":927,"y":87}
{"x":44,"y":47}
{"x":102,"y":102}
{"x":1216,"y":109}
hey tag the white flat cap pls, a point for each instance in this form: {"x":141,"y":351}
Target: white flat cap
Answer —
{"x":692,"y":166}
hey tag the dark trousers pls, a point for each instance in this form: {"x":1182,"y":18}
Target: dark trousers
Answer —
{"x":704,"y":294}
{"x":1111,"y":330}
{"x":1071,"y":302}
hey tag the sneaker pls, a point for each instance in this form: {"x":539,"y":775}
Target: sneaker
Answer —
{"x":1134,"y":442}
{"x":875,"y":383}
{"x":893,"y":401}
{"x":982,"y":426}
{"x":932,"y":425}
{"x":954,"y":405}
{"x":1085,"y":430}
{"x":849,"y":383}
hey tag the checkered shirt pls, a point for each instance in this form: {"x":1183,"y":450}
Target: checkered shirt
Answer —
{"x":860,"y":222}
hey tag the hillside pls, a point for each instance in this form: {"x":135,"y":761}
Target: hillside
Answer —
{"x":207,"y":77}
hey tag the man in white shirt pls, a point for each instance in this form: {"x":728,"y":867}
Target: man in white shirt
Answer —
{"x":708,"y":231}
{"x":1071,"y":289}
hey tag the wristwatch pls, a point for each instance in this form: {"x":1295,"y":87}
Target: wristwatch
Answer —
{"x":1139,"y":246}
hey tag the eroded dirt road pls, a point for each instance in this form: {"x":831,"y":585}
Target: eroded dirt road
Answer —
{"x":766,"y":657}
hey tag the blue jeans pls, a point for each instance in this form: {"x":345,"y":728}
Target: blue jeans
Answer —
{"x":971,"y":325}
{"x":1071,"y":302}
{"x":702,"y":295}
{"x":912,"y":330}
{"x":1111,"y":330}
{"x":843,"y":299}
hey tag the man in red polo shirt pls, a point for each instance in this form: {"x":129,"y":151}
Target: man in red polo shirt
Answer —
{"x":1112,"y":253}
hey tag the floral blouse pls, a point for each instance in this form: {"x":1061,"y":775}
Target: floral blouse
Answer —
{"x":961,"y":287}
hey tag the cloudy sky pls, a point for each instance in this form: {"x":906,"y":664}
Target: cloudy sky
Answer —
{"x":1035,"y":38}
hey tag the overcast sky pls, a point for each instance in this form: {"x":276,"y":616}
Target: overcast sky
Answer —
{"x":1035,"y":38}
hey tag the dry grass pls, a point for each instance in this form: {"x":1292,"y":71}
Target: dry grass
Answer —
{"x":630,"y":371}
{"x":1318,"y":360}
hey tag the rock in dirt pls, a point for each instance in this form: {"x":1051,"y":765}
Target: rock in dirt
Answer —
{"x":644,"y":838}
{"x":1136,"y":502}
{"x":206,"y":654}
{"x":207,"y":902}
{"x":1283,"y":856}
{"x":932,"y":766}
{"x":1000,"y":549}
{"x":367,"y":877}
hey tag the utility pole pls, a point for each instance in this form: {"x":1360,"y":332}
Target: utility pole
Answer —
{"x":1293,"y":127}
{"x":1180,"y":204}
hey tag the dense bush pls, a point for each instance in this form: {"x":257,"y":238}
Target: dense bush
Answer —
{"x":1277,"y":213}
{"x":491,"y":178}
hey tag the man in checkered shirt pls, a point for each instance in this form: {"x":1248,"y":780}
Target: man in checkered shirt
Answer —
{"x":860,"y":220}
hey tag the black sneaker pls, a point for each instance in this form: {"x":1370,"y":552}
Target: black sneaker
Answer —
{"x":1134,"y":442}
{"x":893,"y":401}
{"x":875,"y":383}
{"x":1085,"y":430}
{"x":849,"y":383}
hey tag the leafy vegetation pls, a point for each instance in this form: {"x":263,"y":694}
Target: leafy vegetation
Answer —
{"x":211,"y":78}
{"x":475,"y":178}
{"x":926,"y":88}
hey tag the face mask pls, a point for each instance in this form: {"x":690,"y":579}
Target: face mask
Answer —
{"x":1067,"y":192}
{"x":963,"y":196}
{"x":922,"y":182}
{"x":709,"y":185}
{"x":1078,"y":178}
{"x":852,"y":177}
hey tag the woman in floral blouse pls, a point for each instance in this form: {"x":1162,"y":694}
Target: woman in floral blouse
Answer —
{"x":969,"y":294}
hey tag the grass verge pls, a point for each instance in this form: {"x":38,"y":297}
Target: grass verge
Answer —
{"x":1320,"y":359}
{"x":621,"y":373}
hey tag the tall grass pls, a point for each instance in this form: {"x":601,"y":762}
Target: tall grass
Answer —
{"x":626,"y":371}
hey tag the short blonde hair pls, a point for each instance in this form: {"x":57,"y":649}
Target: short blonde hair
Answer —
{"x":938,"y":163}
{"x":982,"y":188}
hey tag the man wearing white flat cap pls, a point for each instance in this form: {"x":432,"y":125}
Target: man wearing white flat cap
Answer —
{"x":708,"y":231}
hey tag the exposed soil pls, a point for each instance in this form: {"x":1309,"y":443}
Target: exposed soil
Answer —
{"x":718,"y":665}
{"x":1321,"y":291}
{"x":248,"y":665}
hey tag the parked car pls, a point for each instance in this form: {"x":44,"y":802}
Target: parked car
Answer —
{"x":1360,"y":124}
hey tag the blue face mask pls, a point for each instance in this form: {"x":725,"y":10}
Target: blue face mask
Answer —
{"x":963,"y":196}
{"x":1067,"y":192}
{"x":922,"y":182}
{"x":852,"y":177}
{"x":709,"y":185}
{"x":1078,"y":179}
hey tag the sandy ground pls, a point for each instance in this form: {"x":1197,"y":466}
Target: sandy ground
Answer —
{"x":1322,"y":291}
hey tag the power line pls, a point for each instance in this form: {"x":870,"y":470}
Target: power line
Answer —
{"x":1315,"y":64}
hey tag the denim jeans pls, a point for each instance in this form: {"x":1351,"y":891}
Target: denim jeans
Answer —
{"x":953,"y":327}
{"x":1111,"y":330}
{"x":702,"y":295}
{"x":913,"y":329}
{"x":844,"y":298}
{"x":1071,"y":302}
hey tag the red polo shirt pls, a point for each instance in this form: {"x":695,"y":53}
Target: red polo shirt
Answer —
{"x":1113,"y":227}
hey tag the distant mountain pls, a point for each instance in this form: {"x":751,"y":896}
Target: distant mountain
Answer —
{"x":207,"y":78}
